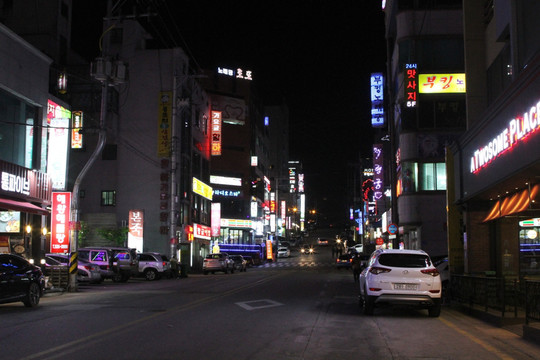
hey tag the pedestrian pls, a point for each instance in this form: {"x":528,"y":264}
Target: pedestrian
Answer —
{"x":356,"y":266}
{"x":174,"y":268}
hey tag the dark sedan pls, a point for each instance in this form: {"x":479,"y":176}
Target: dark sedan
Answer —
{"x":20,"y":281}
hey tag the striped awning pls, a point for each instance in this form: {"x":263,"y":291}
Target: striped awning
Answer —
{"x":513,"y":204}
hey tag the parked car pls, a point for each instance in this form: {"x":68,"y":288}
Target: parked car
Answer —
{"x":283,"y":252}
{"x":20,"y":281}
{"x":86,"y":271}
{"x":344,"y":261}
{"x":359,"y":248}
{"x":406,"y":277}
{"x":218,"y":262}
{"x":240,"y":263}
{"x":153,"y":265}
{"x":306,"y":249}
{"x":116,"y":263}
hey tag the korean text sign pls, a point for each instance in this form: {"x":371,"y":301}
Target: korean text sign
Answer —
{"x":61,"y":209}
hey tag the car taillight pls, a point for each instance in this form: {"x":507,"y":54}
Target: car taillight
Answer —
{"x":378,"y":270}
{"x":433,"y":272}
{"x":164,"y":263}
{"x":87,"y":267}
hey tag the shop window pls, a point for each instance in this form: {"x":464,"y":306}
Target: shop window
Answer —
{"x":108,"y":198}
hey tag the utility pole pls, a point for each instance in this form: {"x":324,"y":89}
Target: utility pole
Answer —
{"x":109,"y":73}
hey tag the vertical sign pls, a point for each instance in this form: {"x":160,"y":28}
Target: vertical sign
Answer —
{"x":216,"y":219}
{"x":164,"y":124}
{"x":76,"y":125}
{"x":378,"y":176}
{"x":58,"y":119}
{"x":411,"y":84}
{"x":216,"y":133}
{"x":61,"y":208}
{"x":136,"y":229}
{"x":283,"y":209}
{"x":377,"y":100}
{"x":269,"y":252}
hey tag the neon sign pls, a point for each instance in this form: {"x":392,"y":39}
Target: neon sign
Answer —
{"x":377,"y":99}
{"x":515,"y":132}
{"x":216,"y":133}
{"x":411,"y":87}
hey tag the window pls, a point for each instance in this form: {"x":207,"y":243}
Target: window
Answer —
{"x":432,"y":176}
{"x":108,"y":198}
{"x":423,"y":177}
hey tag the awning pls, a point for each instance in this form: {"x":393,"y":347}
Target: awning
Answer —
{"x":513,"y":204}
{"x":22,"y":206}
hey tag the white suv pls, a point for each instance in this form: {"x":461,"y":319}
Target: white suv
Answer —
{"x":396,"y":277}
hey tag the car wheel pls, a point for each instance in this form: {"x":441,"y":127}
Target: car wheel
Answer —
{"x":369,"y":303}
{"x":32,"y":297}
{"x":117,"y":277}
{"x":150,"y":274}
{"x":435,"y":310}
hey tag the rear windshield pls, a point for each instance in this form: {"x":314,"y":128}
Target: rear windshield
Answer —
{"x":405,"y":260}
{"x":213,"y":256}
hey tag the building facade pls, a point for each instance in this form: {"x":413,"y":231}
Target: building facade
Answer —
{"x":426,"y":112}
{"x":497,"y":162}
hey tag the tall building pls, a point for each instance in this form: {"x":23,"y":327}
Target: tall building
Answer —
{"x":426,"y":112}
{"x":496,"y":216}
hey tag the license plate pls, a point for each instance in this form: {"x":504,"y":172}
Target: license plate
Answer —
{"x":405,"y":287}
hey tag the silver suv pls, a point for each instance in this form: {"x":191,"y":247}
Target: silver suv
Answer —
{"x":218,"y":262}
{"x":153,"y":265}
{"x":400,"y":277}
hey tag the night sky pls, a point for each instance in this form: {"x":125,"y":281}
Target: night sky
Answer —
{"x":316,"y":55}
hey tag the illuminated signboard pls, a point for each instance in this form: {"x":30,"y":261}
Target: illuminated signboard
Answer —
{"x":215,"y":221}
{"x":18,"y":184}
{"x":225,"y":180}
{"x":202,"y":231}
{"x":441,"y":83}
{"x":378,"y":173}
{"x":202,"y":189}
{"x":254,"y":161}
{"x":164,"y":123}
{"x":301,"y":183}
{"x":530,"y":223}
{"x":411,"y":85}
{"x":254,"y":209}
{"x":227,"y":193}
{"x":58,"y":119}
{"x":292,"y":180}
{"x":272,"y":202}
{"x":236,"y":223}
{"x":283,"y":209}
{"x":76,"y":125}
{"x":269,"y":254}
{"x":216,"y":133}
{"x":61,"y":209}
{"x":377,"y":100}
{"x":136,"y":229}
{"x":238,"y":73}
{"x":516,"y":131}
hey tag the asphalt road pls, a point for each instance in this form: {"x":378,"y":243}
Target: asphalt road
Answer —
{"x":301,"y":307}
